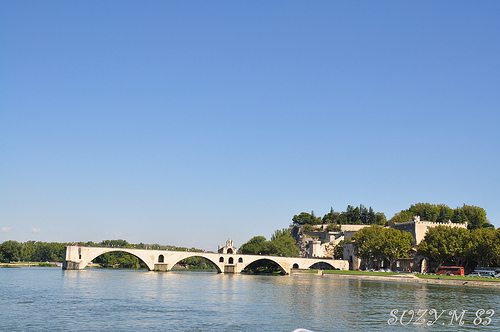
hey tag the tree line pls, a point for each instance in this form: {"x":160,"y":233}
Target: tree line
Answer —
{"x":360,"y":215}
{"x":382,"y":244}
{"x":442,"y":244}
{"x":37,"y":251}
{"x":462,"y":247}
{"x":474,"y":216}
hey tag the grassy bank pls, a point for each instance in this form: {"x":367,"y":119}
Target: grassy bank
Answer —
{"x":422,"y":276}
{"x":28,"y":264}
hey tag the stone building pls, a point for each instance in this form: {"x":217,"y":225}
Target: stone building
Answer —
{"x":419,"y":228}
{"x":416,"y":262}
{"x":229,"y":248}
{"x":319,"y":242}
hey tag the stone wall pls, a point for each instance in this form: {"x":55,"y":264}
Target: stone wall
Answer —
{"x":419,"y":228}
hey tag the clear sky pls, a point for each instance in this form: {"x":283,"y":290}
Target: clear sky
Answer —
{"x":190,"y":122}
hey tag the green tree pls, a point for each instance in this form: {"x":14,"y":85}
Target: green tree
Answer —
{"x":402,"y":216}
{"x":338,"y":250}
{"x":368,"y":243}
{"x":281,"y":244}
{"x":305,"y":218}
{"x":395,"y":244}
{"x":255,"y":246}
{"x":476,"y":216}
{"x":376,"y":242}
{"x":483,"y":246}
{"x":333,"y":228}
{"x":10,"y":251}
{"x":28,"y":250}
{"x":379,"y":219}
{"x":330,"y":217}
{"x":445,"y":213}
{"x":496,"y":247}
{"x":444,"y":243}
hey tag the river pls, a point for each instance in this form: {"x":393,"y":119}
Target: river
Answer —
{"x":38,"y":298}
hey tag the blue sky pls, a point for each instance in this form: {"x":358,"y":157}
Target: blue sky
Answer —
{"x":187,"y":123}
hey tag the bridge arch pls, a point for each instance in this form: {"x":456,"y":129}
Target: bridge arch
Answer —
{"x":198,"y":254}
{"x":322,"y":265}
{"x":89,"y":258}
{"x":259,"y":261}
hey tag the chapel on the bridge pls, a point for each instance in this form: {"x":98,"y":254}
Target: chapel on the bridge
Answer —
{"x":229,"y":248}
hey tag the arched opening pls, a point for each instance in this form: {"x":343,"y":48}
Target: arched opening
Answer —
{"x":240,"y":260}
{"x":295,"y":266}
{"x":423,"y":265}
{"x":322,"y":266}
{"x":230,"y":261}
{"x":221,"y":260}
{"x":161,"y":259}
{"x":119,"y":259}
{"x":194,"y":264}
{"x":229,"y":251}
{"x":263,"y":266}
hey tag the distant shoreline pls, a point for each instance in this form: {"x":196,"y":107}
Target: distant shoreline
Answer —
{"x":410,"y":278}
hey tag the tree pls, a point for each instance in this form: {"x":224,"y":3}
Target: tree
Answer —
{"x":281,"y":244}
{"x":367,"y":243}
{"x":28,"y":250}
{"x":379,"y":219}
{"x":496,"y":247}
{"x":476,"y":216}
{"x":255,"y":246}
{"x":331,"y":217}
{"x":444,"y":213}
{"x":483,"y":246}
{"x":305,"y":218}
{"x":444,"y":243}
{"x":338,"y":250}
{"x":10,"y":251}
{"x":402,"y":216}
{"x":473,"y":215}
{"x":376,"y":242}
{"x":396,"y":244}
{"x":333,"y":228}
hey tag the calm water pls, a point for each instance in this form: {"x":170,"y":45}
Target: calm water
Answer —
{"x":121,"y":300}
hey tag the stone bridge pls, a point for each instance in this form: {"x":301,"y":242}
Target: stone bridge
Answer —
{"x":77,"y":258}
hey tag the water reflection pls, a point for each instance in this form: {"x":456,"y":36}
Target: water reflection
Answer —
{"x":96,"y":299}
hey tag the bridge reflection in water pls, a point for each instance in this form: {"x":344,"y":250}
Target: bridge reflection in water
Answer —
{"x":77,"y":258}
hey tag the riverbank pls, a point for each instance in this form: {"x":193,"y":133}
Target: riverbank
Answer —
{"x":30,"y":264}
{"x":409,"y":278}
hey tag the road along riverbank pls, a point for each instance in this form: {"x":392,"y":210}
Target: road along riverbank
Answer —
{"x":408,"y":278}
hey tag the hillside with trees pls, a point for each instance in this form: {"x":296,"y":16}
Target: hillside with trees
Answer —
{"x":359,"y":215}
{"x":474,"y":216}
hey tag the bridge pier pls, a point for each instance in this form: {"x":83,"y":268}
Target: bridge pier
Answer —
{"x":162,"y":267}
